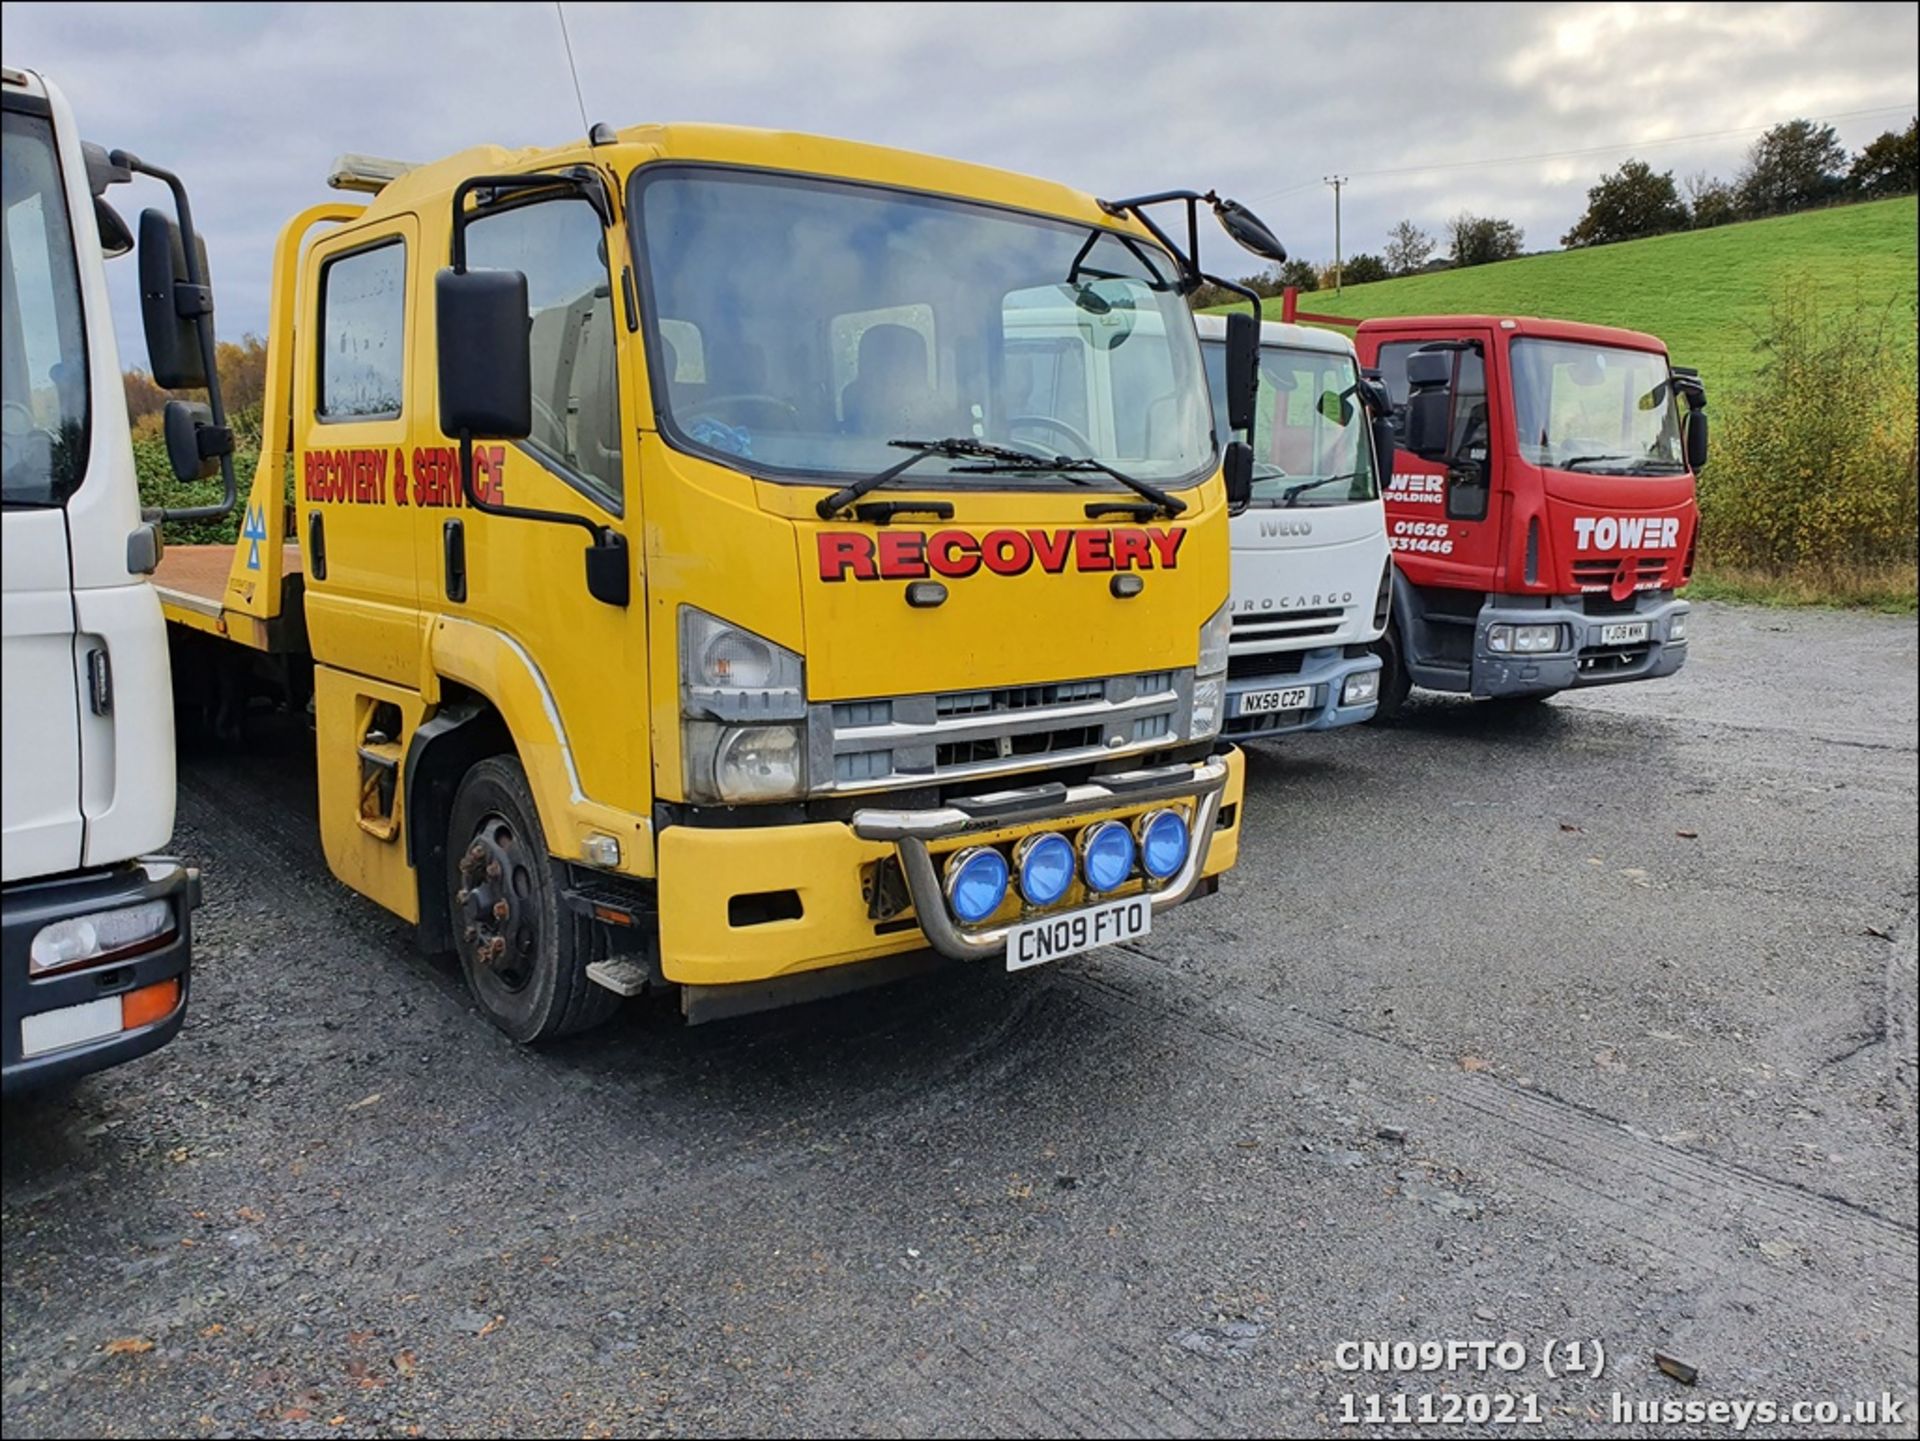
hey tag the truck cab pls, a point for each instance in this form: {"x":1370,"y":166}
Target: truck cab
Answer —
{"x":1541,"y":508}
{"x":739,"y":561}
{"x":96,"y":933}
{"x":1312,"y":576}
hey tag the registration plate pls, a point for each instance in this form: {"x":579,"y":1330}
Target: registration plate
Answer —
{"x":1265,"y":702}
{"x":1034,"y":943}
{"x":1624,"y":632}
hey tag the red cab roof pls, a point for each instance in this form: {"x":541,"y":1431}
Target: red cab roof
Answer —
{"x":1573,"y":330}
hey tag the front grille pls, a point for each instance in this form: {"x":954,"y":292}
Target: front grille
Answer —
{"x":1279,"y":662}
{"x":1270,"y":721}
{"x":1611,"y":660}
{"x":950,"y":735}
{"x":1287,"y":624}
{"x":1647,"y":572}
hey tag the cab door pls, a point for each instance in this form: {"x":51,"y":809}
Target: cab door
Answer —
{"x":525,"y":580}
{"x":1444,"y":518}
{"x":351,"y":465}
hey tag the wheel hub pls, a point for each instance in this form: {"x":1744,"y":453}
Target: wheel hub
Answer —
{"x":498,"y":910}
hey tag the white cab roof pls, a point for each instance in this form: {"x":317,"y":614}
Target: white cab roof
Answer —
{"x":1274,"y":332}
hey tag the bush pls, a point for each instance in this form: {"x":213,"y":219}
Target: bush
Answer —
{"x":1812,"y":471}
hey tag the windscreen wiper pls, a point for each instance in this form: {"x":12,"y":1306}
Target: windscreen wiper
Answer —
{"x":1574,"y":462}
{"x":1293,"y":492}
{"x":1069,"y":464}
{"x":951,"y":447}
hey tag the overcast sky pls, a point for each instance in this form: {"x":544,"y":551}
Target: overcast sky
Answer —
{"x":251,"y":103}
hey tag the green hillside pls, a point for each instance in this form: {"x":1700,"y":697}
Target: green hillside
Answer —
{"x":1706,"y":293}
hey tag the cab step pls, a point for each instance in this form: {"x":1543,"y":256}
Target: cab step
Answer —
{"x":623,"y":975}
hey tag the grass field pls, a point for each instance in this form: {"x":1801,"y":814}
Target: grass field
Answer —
{"x":1706,"y":293}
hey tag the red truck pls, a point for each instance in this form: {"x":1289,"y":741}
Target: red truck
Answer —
{"x":1541,"y":508}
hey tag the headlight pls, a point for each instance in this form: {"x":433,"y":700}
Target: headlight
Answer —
{"x":1045,"y":863}
{"x":1360,"y":689}
{"x":976,"y":883}
{"x":1525,"y":639}
{"x":1677,"y":628}
{"x":732,"y":675}
{"x":1163,"y":839}
{"x":104,"y":935}
{"x":1106,"y":855}
{"x":759,"y":763}
{"x":1213,"y":642}
{"x":1209,"y":701}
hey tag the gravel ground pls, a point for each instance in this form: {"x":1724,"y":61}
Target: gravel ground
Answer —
{"x":1594,"y":1022}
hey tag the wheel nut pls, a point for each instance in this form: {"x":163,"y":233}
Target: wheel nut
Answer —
{"x":493,"y":870}
{"x":501,"y":910}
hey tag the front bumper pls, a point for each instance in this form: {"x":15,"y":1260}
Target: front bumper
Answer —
{"x":1325,"y":673}
{"x":714,"y":931}
{"x":1590,"y":660}
{"x":29,"y":907}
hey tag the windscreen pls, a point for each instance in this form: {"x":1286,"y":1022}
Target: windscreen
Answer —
{"x":797,"y":327}
{"x":1310,"y":444}
{"x":45,"y":361}
{"x":1596,"y":408}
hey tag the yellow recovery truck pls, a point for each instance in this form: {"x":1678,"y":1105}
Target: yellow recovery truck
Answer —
{"x":893,"y":632}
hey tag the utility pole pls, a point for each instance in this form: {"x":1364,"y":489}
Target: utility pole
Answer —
{"x":1336,"y":181}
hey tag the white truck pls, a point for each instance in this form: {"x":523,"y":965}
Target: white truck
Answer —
{"x":95,"y":933}
{"x":1312,"y":573}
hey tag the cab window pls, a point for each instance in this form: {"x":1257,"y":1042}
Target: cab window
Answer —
{"x":559,"y":246}
{"x":46,"y":349}
{"x":363,"y":315}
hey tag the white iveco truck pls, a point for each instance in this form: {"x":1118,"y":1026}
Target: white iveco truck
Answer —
{"x":1312,"y":575}
{"x":94,"y":927}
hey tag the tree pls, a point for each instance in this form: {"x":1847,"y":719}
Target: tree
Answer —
{"x":1479,"y":239}
{"x":1791,"y":167}
{"x":1710,"y":201}
{"x":1889,"y":165}
{"x":1408,"y":247}
{"x":1300,"y":274}
{"x":1363,"y":269}
{"x":1630,"y":203}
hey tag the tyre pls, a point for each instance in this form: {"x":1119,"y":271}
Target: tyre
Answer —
{"x":1395,"y":683}
{"x":525,"y":958}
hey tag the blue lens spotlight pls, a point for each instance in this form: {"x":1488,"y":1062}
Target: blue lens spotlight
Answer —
{"x":1106,"y":855}
{"x":976,"y":883}
{"x":1045,"y":864}
{"x":1163,"y":841}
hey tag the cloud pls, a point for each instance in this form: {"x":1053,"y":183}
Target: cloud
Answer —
{"x":251,"y":103}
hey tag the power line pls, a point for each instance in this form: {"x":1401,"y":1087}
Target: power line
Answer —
{"x":586,"y":126}
{"x":1584,"y":150}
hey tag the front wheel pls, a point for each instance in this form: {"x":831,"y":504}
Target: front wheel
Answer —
{"x":524,"y":958}
{"x":1395,"y":683}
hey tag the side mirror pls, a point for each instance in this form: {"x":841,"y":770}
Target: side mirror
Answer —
{"x":1249,"y":231}
{"x":1384,"y":445}
{"x":1236,"y":467}
{"x":486,"y":367}
{"x":1243,"y":370}
{"x":170,"y":306}
{"x":194,"y":446}
{"x":1430,"y":405}
{"x":1696,"y":440}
